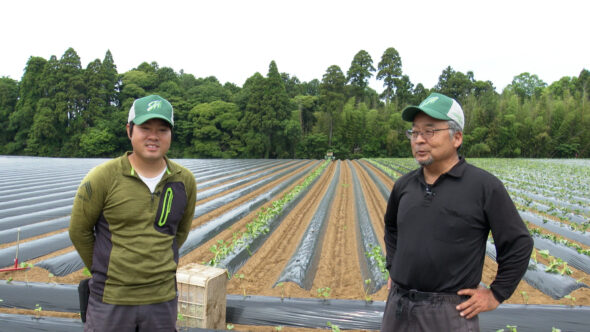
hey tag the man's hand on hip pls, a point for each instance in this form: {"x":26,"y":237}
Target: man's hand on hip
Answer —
{"x":481,"y":299}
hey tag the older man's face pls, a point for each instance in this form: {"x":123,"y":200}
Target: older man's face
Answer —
{"x":438,"y":148}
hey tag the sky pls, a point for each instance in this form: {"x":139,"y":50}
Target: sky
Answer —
{"x":233,"y":39}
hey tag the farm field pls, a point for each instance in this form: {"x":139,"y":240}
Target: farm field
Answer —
{"x":301,"y":228}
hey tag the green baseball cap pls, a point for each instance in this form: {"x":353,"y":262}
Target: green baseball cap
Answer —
{"x":437,"y":106}
{"x":151,"y":107}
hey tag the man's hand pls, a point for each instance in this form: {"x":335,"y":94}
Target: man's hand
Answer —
{"x":482,"y":299}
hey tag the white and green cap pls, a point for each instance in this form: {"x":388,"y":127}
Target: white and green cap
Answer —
{"x":437,"y":106}
{"x":151,"y":107}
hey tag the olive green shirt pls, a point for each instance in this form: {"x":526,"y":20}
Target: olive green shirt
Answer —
{"x":128,"y":236}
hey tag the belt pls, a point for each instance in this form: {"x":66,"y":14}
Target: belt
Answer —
{"x":416,"y":295}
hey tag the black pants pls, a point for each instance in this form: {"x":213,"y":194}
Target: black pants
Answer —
{"x":104,"y":317}
{"x":414,"y":311}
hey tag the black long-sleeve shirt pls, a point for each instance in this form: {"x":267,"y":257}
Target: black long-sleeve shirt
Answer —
{"x":435,"y":235}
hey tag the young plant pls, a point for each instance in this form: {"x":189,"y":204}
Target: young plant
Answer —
{"x":230,"y":326}
{"x":38,"y":310}
{"x":241,"y":281}
{"x":571,"y":298}
{"x":534,"y":255}
{"x":555,"y":329}
{"x":27,"y":266}
{"x":180,"y":318}
{"x":376,"y":254}
{"x":282,"y":286}
{"x":279,"y":328}
{"x":525,"y":297}
{"x":324,"y":292}
{"x":335,"y":328}
{"x":368,"y":297}
{"x":52,"y":278}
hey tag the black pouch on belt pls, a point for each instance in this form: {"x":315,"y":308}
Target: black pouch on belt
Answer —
{"x":83,"y":294}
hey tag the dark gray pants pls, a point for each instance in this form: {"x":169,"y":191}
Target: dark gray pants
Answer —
{"x":104,"y":317}
{"x":413,"y":311}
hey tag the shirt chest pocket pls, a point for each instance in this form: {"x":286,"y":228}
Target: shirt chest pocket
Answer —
{"x":171,"y":208}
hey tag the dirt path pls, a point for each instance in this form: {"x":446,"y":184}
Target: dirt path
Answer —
{"x":264,"y":268}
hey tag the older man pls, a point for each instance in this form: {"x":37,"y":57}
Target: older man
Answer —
{"x":437,"y":222}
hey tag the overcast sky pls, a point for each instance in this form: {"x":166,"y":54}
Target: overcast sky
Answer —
{"x":232,"y":40}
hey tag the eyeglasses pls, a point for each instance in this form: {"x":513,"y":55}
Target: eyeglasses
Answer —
{"x":426,"y":134}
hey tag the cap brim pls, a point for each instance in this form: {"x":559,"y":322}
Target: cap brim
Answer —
{"x":410,"y":112}
{"x":143,"y":118}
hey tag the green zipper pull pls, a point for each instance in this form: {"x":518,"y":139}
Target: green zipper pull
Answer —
{"x":166,"y":207}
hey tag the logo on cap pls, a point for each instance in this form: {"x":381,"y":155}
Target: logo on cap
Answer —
{"x":429,"y":101}
{"x":154,"y":105}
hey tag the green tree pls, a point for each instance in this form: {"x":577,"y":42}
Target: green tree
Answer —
{"x":30,"y":91}
{"x":312,"y":146}
{"x":390,"y":69}
{"x":360,"y":71}
{"x":249,"y":100}
{"x":215,"y":126}
{"x":403,"y":91}
{"x":8,"y":99}
{"x":332,"y":96}
{"x":526,"y":85}
{"x":455,"y":84}
{"x":95,"y":142}
{"x":207,"y":90}
{"x":306,"y":107}
{"x":276,"y":108}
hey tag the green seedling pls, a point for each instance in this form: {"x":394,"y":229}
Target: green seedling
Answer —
{"x":571,"y":298}
{"x":9,"y":280}
{"x":241,"y":280}
{"x":282,"y":286}
{"x":555,"y":329}
{"x":375,"y":253}
{"x":27,"y":266}
{"x":368,"y":297}
{"x":525,"y":297}
{"x":279,"y":328}
{"x":324,"y":292}
{"x":534,"y":255}
{"x":38,"y":310}
{"x":229,"y":326}
{"x":335,"y":328}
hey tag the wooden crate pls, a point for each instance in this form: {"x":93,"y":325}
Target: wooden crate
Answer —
{"x":201,"y":296}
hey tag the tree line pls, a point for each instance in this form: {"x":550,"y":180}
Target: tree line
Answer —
{"x":60,"y":109}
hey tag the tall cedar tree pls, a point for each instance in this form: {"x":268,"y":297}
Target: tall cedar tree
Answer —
{"x":332,"y":97}
{"x":390,"y":68}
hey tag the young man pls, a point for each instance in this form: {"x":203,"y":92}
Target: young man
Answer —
{"x":436,"y":226}
{"x":130,"y":217}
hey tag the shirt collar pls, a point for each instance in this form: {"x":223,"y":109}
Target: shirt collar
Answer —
{"x":459,"y":168}
{"x":128,"y":169}
{"x":456,"y":171}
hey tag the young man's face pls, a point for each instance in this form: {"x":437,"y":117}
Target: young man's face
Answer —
{"x":438,"y":148}
{"x":151,"y":139}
